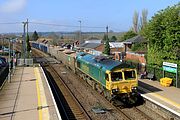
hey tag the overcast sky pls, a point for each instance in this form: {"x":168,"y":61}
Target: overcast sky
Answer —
{"x":117,"y":14}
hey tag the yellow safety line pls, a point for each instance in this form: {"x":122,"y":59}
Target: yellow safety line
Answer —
{"x":166,"y":100}
{"x":38,"y":93}
{"x":162,"y":98}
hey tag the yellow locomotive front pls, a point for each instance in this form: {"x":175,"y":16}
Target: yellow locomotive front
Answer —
{"x":122,"y":83}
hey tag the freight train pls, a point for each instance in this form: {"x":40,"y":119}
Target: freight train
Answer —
{"x":113,"y":79}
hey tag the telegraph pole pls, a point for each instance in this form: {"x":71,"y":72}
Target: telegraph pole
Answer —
{"x":27,"y":26}
{"x":27,"y":52}
{"x":80,"y":30}
{"x":24,"y":40}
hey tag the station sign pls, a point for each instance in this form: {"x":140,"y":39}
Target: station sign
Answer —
{"x":170,"y":67}
{"x":170,"y":64}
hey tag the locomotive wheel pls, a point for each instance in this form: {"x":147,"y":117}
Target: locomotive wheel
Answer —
{"x":94,"y":86}
{"x":99,"y":88}
{"x":104,"y":92}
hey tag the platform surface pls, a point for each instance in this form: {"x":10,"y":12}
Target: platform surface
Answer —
{"x":27,"y":97}
{"x":167,"y":97}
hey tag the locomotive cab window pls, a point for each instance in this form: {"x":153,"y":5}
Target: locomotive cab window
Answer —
{"x":116,"y":76}
{"x":129,"y":75}
{"x":107,"y":77}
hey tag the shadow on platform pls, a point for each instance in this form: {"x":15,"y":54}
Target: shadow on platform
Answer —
{"x":148,"y":87}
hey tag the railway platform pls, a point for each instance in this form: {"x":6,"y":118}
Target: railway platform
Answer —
{"x":27,"y":96}
{"x":165,"y":97}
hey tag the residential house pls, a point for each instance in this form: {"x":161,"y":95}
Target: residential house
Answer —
{"x":135,"y":40}
{"x":138,"y":56}
{"x":116,"y":47}
{"x":91,"y":46}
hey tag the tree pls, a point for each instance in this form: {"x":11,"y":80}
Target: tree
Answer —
{"x":128,"y":35}
{"x":107,"y":47}
{"x":143,"y":19}
{"x":163,"y":35}
{"x":113,"y":39}
{"x":139,"y":47}
{"x":62,"y":37}
{"x":135,"y":22}
{"x":35,"y":36}
{"x":28,"y":44}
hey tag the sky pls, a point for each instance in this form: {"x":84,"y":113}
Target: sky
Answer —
{"x":64,"y":15}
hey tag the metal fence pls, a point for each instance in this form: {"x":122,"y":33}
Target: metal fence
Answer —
{"x":29,"y":62}
{"x":156,"y":71}
{"x":22,"y":62}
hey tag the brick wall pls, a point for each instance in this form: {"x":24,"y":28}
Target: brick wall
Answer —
{"x":136,"y":57}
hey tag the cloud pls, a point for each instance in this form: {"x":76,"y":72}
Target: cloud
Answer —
{"x":11,"y":6}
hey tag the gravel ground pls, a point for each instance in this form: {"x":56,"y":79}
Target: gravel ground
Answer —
{"x":150,"y":112}
{"x":90,"y":98}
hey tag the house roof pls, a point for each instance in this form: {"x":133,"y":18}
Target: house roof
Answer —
{"x":136,"y":39}
{"x":116,"y":44}
{"x":43,"y":40}
{"x":93,"y":41}
{"x":90,"y":45}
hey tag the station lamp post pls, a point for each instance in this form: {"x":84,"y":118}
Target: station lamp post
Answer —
{"x":9,"y":59}
{"x":11,"y":56}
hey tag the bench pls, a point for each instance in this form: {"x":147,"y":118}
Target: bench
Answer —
{"x":150,"y":76}
{"x":143,"y":75}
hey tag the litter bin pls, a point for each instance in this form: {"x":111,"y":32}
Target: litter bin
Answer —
{"x":165,"y":81}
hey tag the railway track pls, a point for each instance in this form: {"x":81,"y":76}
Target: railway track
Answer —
{"x":68,"y":104}
{"x":72,"y":109}
{"x":133,"y":113}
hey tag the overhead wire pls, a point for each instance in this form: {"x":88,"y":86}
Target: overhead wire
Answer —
{"x":11,"y":23}
{"x":53,"y":24}
{"x":72,"y":26}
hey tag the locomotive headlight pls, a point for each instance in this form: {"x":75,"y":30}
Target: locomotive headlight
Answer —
{"x":134,"y":88}
{"x":115,"y":90}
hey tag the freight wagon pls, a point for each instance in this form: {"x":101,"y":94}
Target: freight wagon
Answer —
{"x":111,"y":78}
{"x":40,"y":46}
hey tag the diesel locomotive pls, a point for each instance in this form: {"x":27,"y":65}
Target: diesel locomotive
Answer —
{"x":113,"y":79}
